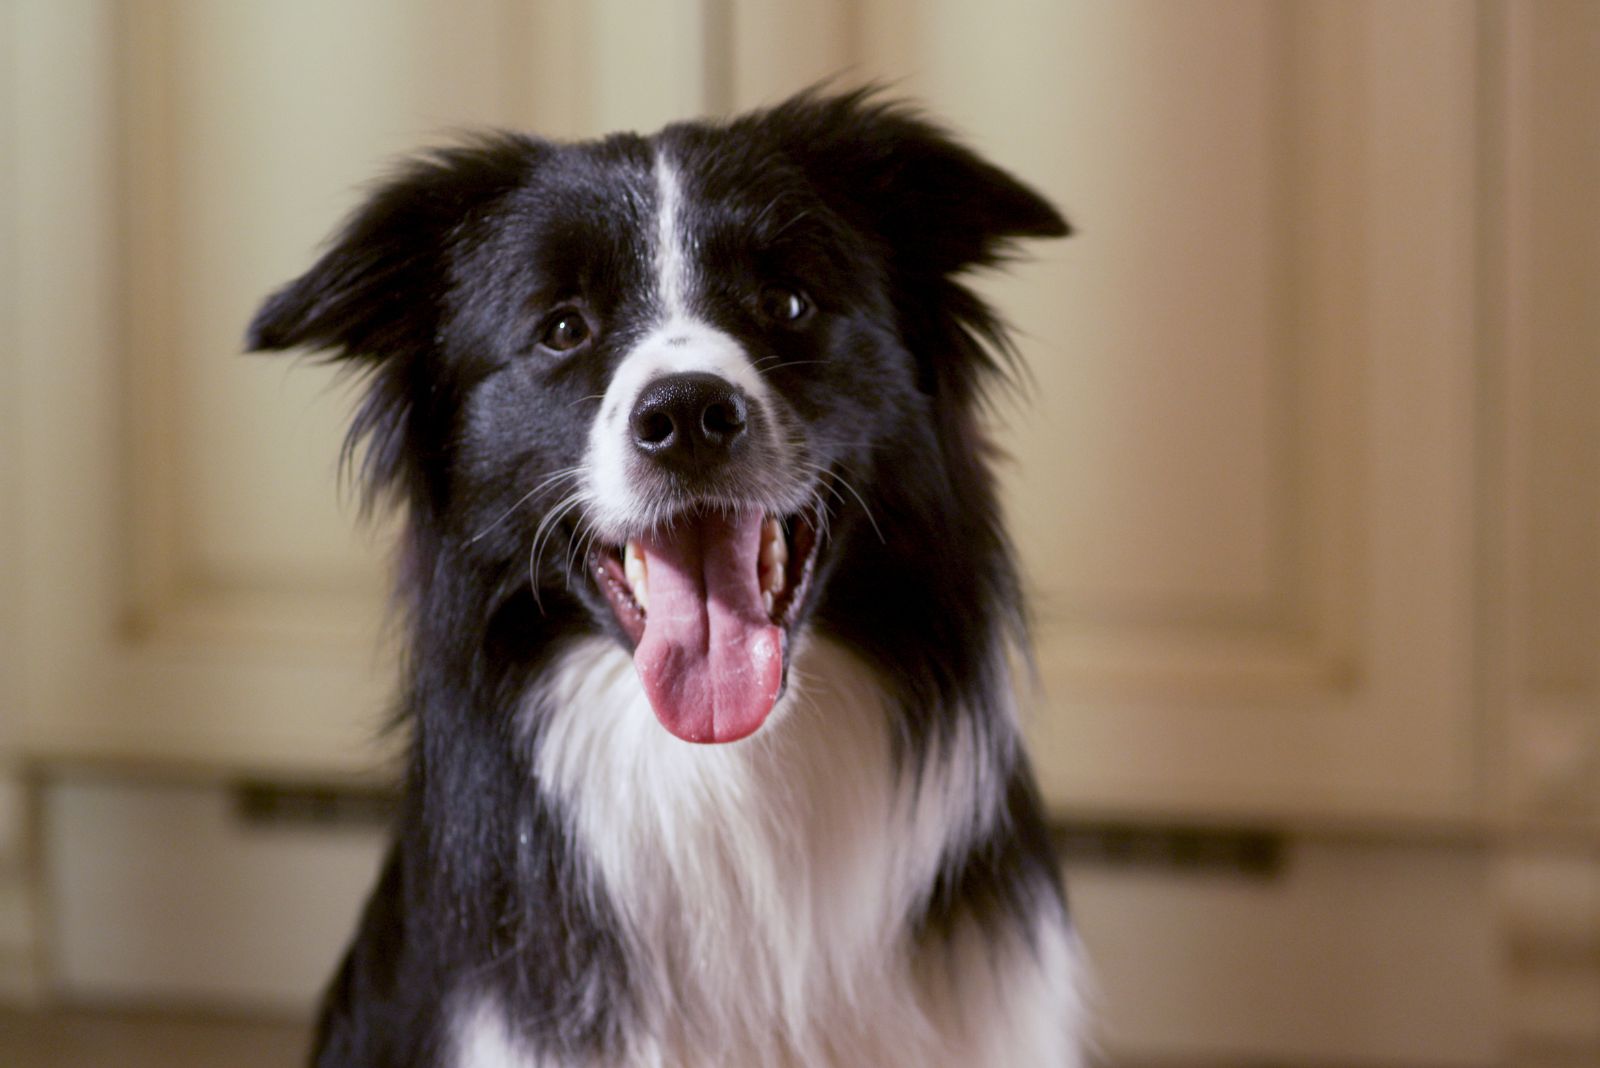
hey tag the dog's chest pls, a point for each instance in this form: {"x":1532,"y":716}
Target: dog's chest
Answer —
{"x":752,"y":880}
{"x":973,"y":1005}
{"x":766,"y":889}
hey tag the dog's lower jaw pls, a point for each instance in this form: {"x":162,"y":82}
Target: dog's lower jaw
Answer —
{"x":768,"y":891}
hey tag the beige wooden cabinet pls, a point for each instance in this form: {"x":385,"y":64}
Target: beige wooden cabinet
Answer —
{"x":1307,"y":477}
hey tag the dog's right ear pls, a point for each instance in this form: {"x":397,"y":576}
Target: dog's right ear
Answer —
{"x":378,"y":297}
{"x":379,"y":290}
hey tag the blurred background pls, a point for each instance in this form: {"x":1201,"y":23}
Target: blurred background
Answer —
{"x":1307,"y":481}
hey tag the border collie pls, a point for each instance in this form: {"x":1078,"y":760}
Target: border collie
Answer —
{"x":714,"y":755}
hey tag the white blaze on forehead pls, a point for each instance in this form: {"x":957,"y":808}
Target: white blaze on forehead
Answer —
{"x":671,"y":262}
{"x":681,"y":342}
{"x":678,"y":343}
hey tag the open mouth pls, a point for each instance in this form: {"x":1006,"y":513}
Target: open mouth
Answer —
{"x":708,"y":600}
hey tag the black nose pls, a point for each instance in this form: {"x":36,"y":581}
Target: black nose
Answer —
{"x":691,"y":422}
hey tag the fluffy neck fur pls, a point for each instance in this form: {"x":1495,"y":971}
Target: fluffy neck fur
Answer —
{"x":763,"y":885}
{"x":765,"y":889}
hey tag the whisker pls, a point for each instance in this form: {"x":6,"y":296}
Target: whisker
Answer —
{"x":566,"y":472}
{"x":578,"y":550}
{"x":804,"y":363}
{"x":870,"y":518}
{"x":541,"y":537}
{"x":501,"y":518}
{"x":533,"y":579}
{"x":765,"y":366}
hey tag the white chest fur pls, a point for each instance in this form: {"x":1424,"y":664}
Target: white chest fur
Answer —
{"x":765,"y":886}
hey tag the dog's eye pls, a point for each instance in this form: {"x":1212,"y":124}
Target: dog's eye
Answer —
{"x":784,"y":305}
{"x":567,"y":330}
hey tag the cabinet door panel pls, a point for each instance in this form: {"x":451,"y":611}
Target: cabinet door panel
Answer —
{"x":197,"y":590}
{"x":1243,"y":479}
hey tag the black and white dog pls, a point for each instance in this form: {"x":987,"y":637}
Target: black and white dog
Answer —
{"x":714,"y":756}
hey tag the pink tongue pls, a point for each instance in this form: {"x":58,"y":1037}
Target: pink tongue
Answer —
{"x":711,"y":659}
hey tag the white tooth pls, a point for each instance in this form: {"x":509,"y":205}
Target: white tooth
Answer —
{"x":773,"y":548}
{"x":768,"y":600}
{"x":772,"y":578}
{"x":633,"y":568}
{"x":774,"y":556}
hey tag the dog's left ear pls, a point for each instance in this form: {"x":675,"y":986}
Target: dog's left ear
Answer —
{"x":938,"y":207}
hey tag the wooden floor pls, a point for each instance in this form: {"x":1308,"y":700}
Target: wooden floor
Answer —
{"x":81,"y":1039}
{"x":65,"y":1038}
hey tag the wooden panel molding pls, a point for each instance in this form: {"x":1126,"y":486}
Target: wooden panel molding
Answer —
{"x":1244,"y":481}
{"x":195,"y":594}
{"x":1550,"y":912}
{"x":243,"y":136}
{"x":1549,"y":162}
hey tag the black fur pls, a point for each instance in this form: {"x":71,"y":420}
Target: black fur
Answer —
{"x":438,"y":289}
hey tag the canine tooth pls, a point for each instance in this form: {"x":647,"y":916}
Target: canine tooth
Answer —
{"x":773,"y":548}
{"x":774,"y":558}
{"x":634,"y":570}
{"x":772,"y":578}
{"x":768,"y":600}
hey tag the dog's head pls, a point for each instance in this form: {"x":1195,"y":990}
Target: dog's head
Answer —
{"x":693,"y":388}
